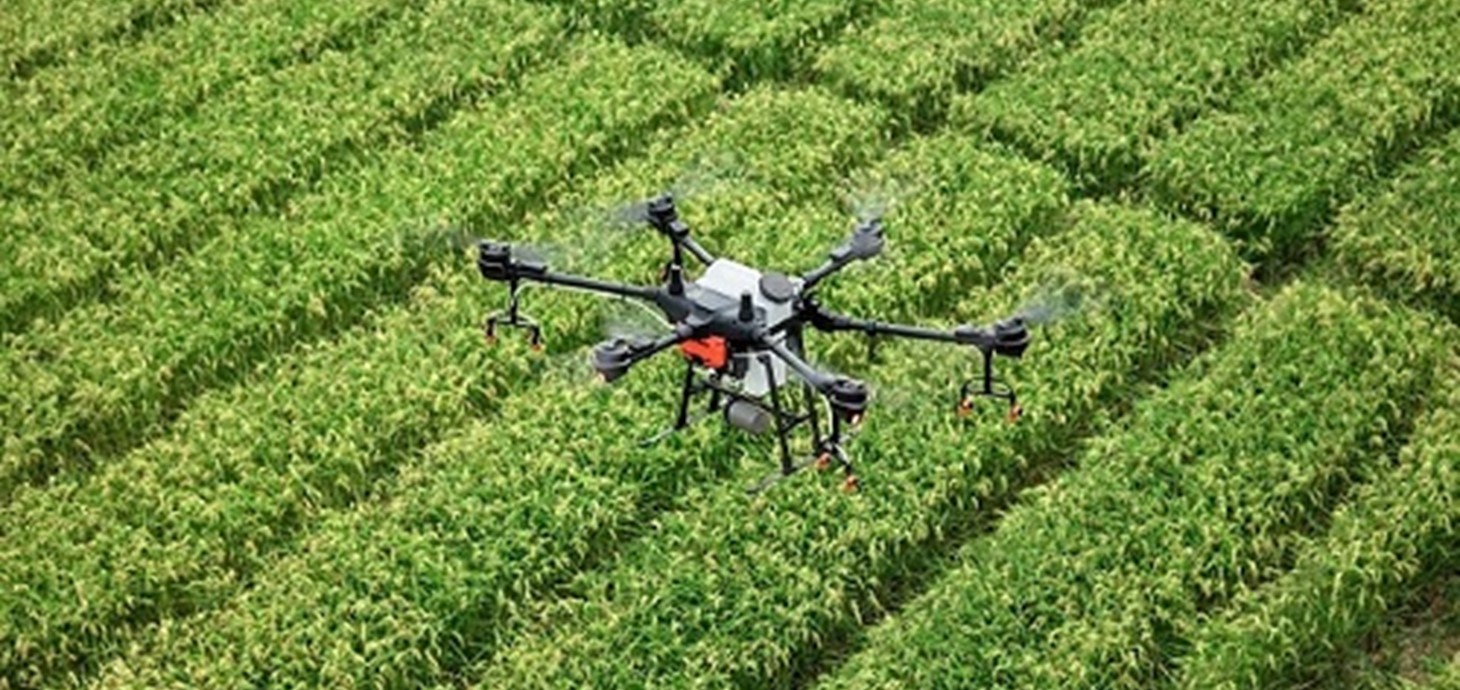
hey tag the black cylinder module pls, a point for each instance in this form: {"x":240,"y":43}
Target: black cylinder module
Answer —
{"x":848,"y":398}
{"x":611,"y":359}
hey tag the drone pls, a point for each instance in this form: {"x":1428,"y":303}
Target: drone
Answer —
{"x":741,"y":334}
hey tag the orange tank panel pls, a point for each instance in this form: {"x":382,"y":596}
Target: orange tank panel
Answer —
{"x":710,"y":352}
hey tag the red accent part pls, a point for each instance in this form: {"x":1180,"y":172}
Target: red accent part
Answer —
{"x":1015,"y":412}
{"x":710,"y":352}
{"x":851,"y":484}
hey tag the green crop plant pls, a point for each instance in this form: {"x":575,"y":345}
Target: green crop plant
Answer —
{"x":108,"y":374}
{"x":732,"y":592}
{"x":249,"y":152}
{"x":37,"y":33}
{"x":914,"y":55}
{"x":1401,"y":238}
{"x":507,"y":473}
{"x":1205,"y":491}
{"x":119,"y":93}
{"x":1308,"y":136}
{"x":258,"y":459}
{"x":1138,"y":73}
{"x":1397,"y":531}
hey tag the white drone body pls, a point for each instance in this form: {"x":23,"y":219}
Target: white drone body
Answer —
{"x":730,"y":279}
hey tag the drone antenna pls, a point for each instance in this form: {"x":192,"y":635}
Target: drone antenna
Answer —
{"x":747,"y":307}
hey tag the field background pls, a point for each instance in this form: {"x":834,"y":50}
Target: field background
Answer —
{"x":253,"y":436}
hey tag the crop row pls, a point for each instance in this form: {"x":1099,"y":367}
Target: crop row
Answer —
{"x":1138,"y":72}
{"x":741,"y":40}
{"x":116,"y":94}
{"x":35,"y":33}
{"x":732,"y":592}
{"x":253,"y":149}
{"x":915,"y":54}
{"x":175,"y":525}
{"x":1402,"y":237}
{"x":1304,"y":138}
{"x":514,"y":498}
{"x":102,"y":376}
{"x":1208,"y":490}
{"x":1397,"y":531}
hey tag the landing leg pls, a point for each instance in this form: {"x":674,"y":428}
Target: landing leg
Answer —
{"x":785,"y":423}
{"x":682,"y":419}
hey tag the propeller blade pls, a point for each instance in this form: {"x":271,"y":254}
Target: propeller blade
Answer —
{"x":633,"y":320}
{"x":703,"y":176}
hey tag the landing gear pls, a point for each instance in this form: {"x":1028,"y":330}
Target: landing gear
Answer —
{"x":778,"y":411}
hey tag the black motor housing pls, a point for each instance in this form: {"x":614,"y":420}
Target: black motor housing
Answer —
{"x":1011,"y":337}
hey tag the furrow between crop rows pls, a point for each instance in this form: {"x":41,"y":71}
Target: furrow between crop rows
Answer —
{"x":64,"y":121}
{"x":176,"y":525}
{"x":1139,"y":72}
{"x":1401,"y":237}
{"x":1397,"y":532}
{"x":1096,"y":579}
{"x":471,"y":512}
{"x":914,"y":55}
{"x":108,"y":375}
{"x":1306,"y":137}
{"x":733,"y":592}
{"x":269,"y":140}
{"x":37,"y":33}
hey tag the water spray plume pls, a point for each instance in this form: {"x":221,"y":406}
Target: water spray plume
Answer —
{"x":872,"y":196}
{"x":1059,"y":297}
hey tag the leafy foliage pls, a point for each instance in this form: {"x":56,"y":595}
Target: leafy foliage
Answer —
{"x":1397,"y":530}
{"x":34,"y":33}
{"x":113,"y":372}
{"x":1138,"y":72}
{"x":175,"y":525}
{"x":250,"y":152}
{"x":1306,"y":137}
{"x":1401,"y":238}
{"x":914,"y":55}
{"x":80,"y":108}
{"x":1206,"y":491}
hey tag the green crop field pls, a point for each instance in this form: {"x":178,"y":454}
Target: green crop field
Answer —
{"x":254,"y":437}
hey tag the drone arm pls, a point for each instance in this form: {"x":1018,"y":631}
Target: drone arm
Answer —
{"x":819,"y":380}
{"x":827,"y":268}
{"x":866,"y":242}
{"x":613,"y":358}
{"x":848,"y":397}
{"x":698,"y":251}
{"x":594,"y":285}
{"x":662,"y":343}
{"x":496,"y":262}
{"x":823,"y":320}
